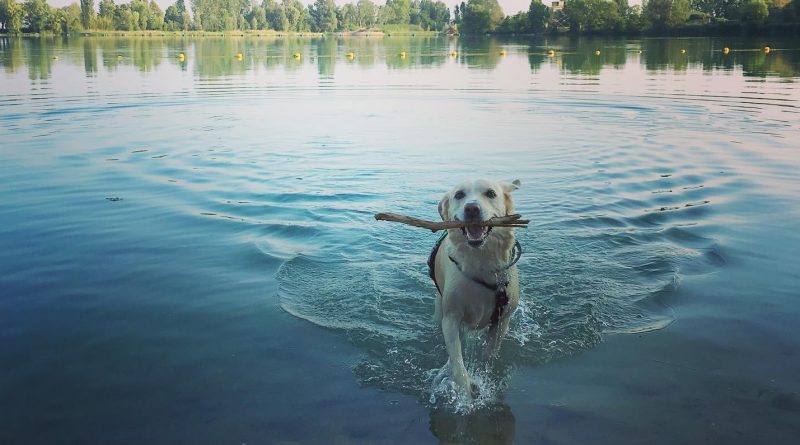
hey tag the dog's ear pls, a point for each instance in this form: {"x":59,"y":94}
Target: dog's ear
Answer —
{"x":444,"y":207}
{"x":513,"y":185}
{"x":507,"y":189}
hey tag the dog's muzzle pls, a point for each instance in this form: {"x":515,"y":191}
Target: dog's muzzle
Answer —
{"x":476,"y":235}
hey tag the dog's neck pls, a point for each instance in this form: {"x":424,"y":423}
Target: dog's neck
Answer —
{"x":486,"y":260}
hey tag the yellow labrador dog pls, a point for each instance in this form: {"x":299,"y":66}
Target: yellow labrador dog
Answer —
{"x":475,"y":271}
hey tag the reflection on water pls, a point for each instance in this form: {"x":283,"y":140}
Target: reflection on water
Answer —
{"x":492,"y":425}
{"x":170,"y":226}
{"x":215,"y":57}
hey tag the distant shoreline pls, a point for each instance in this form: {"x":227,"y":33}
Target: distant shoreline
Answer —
{"x":728,"y":30}
{"x":263,"y":33}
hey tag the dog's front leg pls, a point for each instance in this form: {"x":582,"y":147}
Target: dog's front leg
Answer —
{"x":451,"y":329}
{"x":493,"y":338}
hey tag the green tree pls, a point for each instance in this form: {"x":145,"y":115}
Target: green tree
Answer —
{"x":538,"y":16}
{"x":413,"y":13}
{"x":68,"y":19}
{"x":514,"y":24}
{"x":257,"y":18}
{"x":593,"y":15}
{"x":105,"y":15}
{"x":433,"y":15}
{"x":366,"y":13}
{"x":297,"y":15}
{"x":124,"y":18}
{"x":142,"y":10}
{"x":398,"y":12}
{"x":37,"y":15}
{"x":87,"y":13}
{"x":754,"y":12}
{"x":220,"y":15}
{"x":275,"y":15}
{"x":679,"y":13}
{"x":323,"y":16}
{"x":347,"y":17}
{"x":634,"y":20}
{"x":666,"y":13}
{"x":156,"y":20}
{"x":481,"y":16}
{"x":717,"y":8}
{"x":11,"y":15}
{"x":176,"y":17}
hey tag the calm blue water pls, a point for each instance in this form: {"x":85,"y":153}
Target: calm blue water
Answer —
{"x":188,"y":252}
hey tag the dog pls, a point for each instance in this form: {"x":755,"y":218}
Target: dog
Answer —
{"x":475,"y":273}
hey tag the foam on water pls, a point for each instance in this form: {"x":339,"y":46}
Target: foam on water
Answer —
{"x":581,"y":278}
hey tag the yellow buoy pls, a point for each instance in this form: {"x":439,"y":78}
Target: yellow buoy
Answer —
{"x":402,"y":54}
{"x":453,"y":53}
{"x":597,"y":53}
{"x":726,"y":50}
{"x":181,"y":57}
{"x":239,"y":56}
{"x":351,"y":56}
{"x":296,"y":55}
{"x":55,"y":57}
{"x":502,"y":52}
{"x":683,"y":51}
{"x":767,"y":49}
{"x":119,"y":56}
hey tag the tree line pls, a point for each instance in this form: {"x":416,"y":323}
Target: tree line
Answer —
{"x":617,"y":16}
{"x":473,"y":17}
{"x":223,"y":15}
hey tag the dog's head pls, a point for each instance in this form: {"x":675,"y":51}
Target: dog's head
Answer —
{"x":476,"y":201}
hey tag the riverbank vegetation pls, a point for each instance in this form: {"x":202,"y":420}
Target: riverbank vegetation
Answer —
{"x":398,"y":16}
{"x":473,"y":17}
{"x":658,"y":17}
{"x":662,"y":17}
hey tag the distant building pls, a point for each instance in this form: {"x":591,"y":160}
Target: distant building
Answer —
{"x":557,"y":5}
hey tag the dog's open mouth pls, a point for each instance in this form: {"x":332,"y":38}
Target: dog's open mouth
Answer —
{"x":476,"y":235}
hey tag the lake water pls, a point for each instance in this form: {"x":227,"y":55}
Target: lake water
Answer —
{"x":188,"y":252}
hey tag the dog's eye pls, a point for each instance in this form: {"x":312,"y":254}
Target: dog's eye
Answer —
{"x":490,"y":194}
{"x":459,"y":195}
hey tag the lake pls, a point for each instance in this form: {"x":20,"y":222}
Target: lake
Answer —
{"x":188,"y":252}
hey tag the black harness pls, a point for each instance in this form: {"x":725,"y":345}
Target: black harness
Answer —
{"x":500,"y":288}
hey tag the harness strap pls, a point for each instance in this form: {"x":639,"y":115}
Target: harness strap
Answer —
{"x":499,"y":289}
{"x":500,"y":293}
{"x":432,"y":261}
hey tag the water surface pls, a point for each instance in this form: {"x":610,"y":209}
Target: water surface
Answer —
{"x":189,"y":254}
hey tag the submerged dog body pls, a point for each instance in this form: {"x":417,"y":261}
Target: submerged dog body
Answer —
{"x":474,"y":270}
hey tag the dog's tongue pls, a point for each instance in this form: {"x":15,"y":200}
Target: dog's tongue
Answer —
{"x":475,"y":233}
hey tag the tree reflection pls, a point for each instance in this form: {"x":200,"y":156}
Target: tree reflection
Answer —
{"x":11,"y":56}
{"x":39,"y":57}
{"x":89,"y":57}
{"x":210,"y":57}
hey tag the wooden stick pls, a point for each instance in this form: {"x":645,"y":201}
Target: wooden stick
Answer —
{"x":434,"y":226}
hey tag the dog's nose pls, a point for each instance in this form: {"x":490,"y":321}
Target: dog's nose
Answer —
{"x":472,"y":211}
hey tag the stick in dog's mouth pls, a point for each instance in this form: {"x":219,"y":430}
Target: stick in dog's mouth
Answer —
{"x":500,"y":221}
